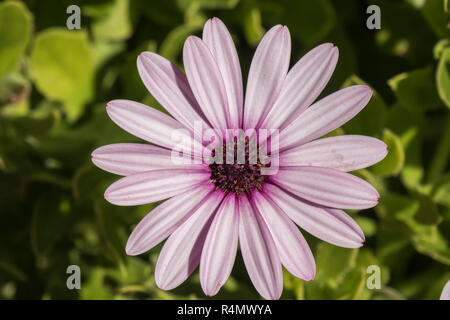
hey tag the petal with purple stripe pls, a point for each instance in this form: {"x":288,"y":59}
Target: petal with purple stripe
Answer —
{"x":266,"y":76}
{"x":159,"y":223}
{"x":325,"y":115}
{"x":130,"y":158}
{"x":182,"y":251}
{"x":219,"y":251}
{"x":259,"y":252}
{"x":327,"y":187}
{"x":152,"y":186}
{"x":345,"y":153}
{"x":329,"y":224}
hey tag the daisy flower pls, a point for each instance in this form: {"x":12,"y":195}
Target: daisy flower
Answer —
{"x":213,"y":207}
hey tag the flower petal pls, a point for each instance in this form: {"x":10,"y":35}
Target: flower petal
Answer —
{"x":328,"y":187}
{"x":445,"y":295}
{"x":159,"y":223}
{"x":152,"y":125}
{"x":219,"y":251}
{"x":292,"y":248}
{"x":325,"y":115}
{"x":345,"y":153}
{"x":331,"y":225}
{"x":219,"y":41}
{"x":152,"y":186}
{"x":130,"y":158}
{"x":267,"y":73}
{"x":169,"y":86}
{"x":259,"y":252}
{"x":206,"y":82}
{"x":303,"y":84}
{"x":181,"y":253}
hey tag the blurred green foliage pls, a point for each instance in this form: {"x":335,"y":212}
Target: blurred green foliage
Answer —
{"x":54,"y":84}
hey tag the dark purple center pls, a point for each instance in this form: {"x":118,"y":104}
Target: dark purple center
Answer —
{"x":237,"y":176}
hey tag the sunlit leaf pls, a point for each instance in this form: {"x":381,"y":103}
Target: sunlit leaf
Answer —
{"x":393,"y":162}
{"x":15,"y":32}
{"x":62,"y":67}
{"x":443,"y":77}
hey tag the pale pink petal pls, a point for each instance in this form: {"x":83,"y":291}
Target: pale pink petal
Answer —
{"x":152,"y":186}
{"x":303,"y":84}
{"x":219,"y":251}
{"x":445,"y":295}
{"x":129,"y":158}
{"x":266,"y":76}
{"x":259,"y":252}
{"x":206,"y":82}
{"x":169,"y":86}
{"x":219,"y":41}
{"x":152,"y":125}
{"x":292,"y":248}
{"x":159,"y":223}
{"x":328,"y":187}
{"x":331,"y":225}
{"x":181,"y":253}
{"x":325,"y":115}
{"x":345,"y":153}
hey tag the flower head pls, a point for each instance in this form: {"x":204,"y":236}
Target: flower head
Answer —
{"x":258,"y":198}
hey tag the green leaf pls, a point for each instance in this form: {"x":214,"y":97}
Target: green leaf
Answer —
{"x":415,"y":90}
{"x":408,"y":126}
{"x":251,"y":19}
{"x":426,"y":239}
{"x":440,"y":158}
{"x":15,"y":33}
{"x":432,"y":243}
{"x":62,"y":66}
{"x":393,"y":163}
{"x":440,"y":47}
{"x":309,"y":21}
{"x":372,"y":118}
{"x":95,"y":287}
{"x":113,"y":20}
{"x":441,"y":191}
{"x":353,"y":286}
{"x":173,"y":43}
{"x":427,"y":213}
{"x":343,"y":260}
{"x":412,"y":172}
{"x":368,"y":226}
{"x":437,"y":17}
{"x":443,"y":77}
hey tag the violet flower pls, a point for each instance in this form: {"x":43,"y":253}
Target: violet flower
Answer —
{"x":213,"y":207}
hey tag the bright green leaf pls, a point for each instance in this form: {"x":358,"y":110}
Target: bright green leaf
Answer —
{"x":443,"y":77}
{"x":113,"y":20}
{"x":15,"y":32}
{"x":415,"y":90}
{"x":393,"y":162}
{"x":62,"y":66}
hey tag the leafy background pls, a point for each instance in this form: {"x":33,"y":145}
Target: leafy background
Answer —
{"x":54,"y":84}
